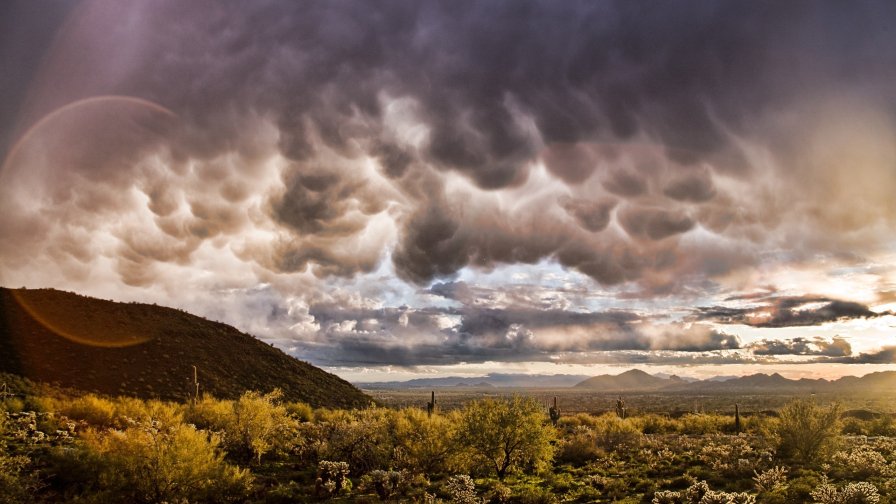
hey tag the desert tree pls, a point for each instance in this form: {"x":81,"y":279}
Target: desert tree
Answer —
{"x":506,"y":435}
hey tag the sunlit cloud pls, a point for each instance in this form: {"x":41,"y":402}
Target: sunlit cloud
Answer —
{"x":412,"y":186}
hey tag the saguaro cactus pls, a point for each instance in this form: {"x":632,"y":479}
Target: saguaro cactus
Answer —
{"x":620,"y":407}
{"x":554,"y":411}
{"x":736,"y":418}
{"x":431,"y":405}
{"x":195,"y":384}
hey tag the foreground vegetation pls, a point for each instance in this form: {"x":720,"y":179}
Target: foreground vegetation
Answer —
{"x":260,"y":448}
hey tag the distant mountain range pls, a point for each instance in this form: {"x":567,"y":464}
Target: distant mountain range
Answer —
{"x":490,"y":380}
{"x":149,"y":351}
{"x":635,"y":381}
{"x":638,"y":381}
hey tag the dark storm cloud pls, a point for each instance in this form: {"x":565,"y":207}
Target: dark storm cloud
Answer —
{"x":591,"y":215}
{"x":789,"y":312}
{"x":835,"y":347}
{"x":691,"y":187}
{"x":654,"y":223}
{"x":498,"y":86}
{"x":658,"y":149}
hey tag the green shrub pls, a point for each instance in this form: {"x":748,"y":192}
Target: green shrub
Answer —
{"x":258,"y":424}
{"x":652,"y":423}
{"x":579,"y":447}
{"x":613,"y":433}
{"x":209,"y":413}
{"x":703,"y":423}
{"x":360,"y":438}
{"x":254,"y":425}
{"x":152,"y":463}
{"x":94,"y":410}
{"x":423,"y":443}
{"x":300,"y":411}
{"x":806,"y":432}
{"x":506,"y":435}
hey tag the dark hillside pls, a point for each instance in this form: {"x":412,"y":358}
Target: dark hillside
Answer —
{"x":633,"y":379}
{"x":148,"y":351}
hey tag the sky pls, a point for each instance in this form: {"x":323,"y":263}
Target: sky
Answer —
{"x":397,"y":189}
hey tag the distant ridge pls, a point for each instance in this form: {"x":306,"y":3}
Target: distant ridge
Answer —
{"x":638,"y":381}
{"x":149,"y":351}
{"x":633,"y":379}
{"x":515,"y":380}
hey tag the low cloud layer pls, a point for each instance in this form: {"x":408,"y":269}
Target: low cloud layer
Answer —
{"x":836,"y":347}
{"x":789,"y":312}
{"x":667,"y":156}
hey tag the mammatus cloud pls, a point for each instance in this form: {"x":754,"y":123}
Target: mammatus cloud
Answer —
{"x":665,"y":152}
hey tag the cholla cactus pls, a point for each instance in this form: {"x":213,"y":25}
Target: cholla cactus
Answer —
{"x":770,"y":480}
{"x":713,"y":497}
{"x":742,"y":498}
{"x":853,"y":493}
{"x":332,"y":478}
{"x":462,"y":490}
{"x":694,"y":493}
{"x":384,"y":483}
{"x":700,"y":493}
{"x":667,"y":497}
{"x":861,"y":461}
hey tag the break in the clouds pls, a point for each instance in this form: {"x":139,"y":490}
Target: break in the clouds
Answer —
{"x":352,"y":160}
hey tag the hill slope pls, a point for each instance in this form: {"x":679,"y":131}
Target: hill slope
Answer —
{"x":148,"y":351}
{"x":633,"y":379}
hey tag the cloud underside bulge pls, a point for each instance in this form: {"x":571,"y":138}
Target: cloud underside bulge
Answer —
{"x":659,"y":150}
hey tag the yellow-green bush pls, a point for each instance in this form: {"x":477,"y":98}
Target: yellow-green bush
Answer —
{"x":258,"y":424}
{"x":96,"y":411}
{"x":614,"y":433}
{"x":360,"y":438}
{"x":300,"y":411}
{"x":704,"y":423}
{"x":154,"y":463}
{"x":209,"y":413}
{"x":578,"y":447}
{"x":806,"y":432}
{"x":423,"y":443}
{"x":651,"y":423}
{"x":506,"y":435}
{"x":254,"y":425}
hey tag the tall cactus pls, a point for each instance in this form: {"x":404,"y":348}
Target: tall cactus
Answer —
{"x":195,"y":384}
{"x":554,"y":412}
{"x":736,"y":418}
{"x":431,"y":405}
{"x":620,"y":407}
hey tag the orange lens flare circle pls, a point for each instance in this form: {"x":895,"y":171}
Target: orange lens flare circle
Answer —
{"x":55,"y":312}
{"x":62,"y":111}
